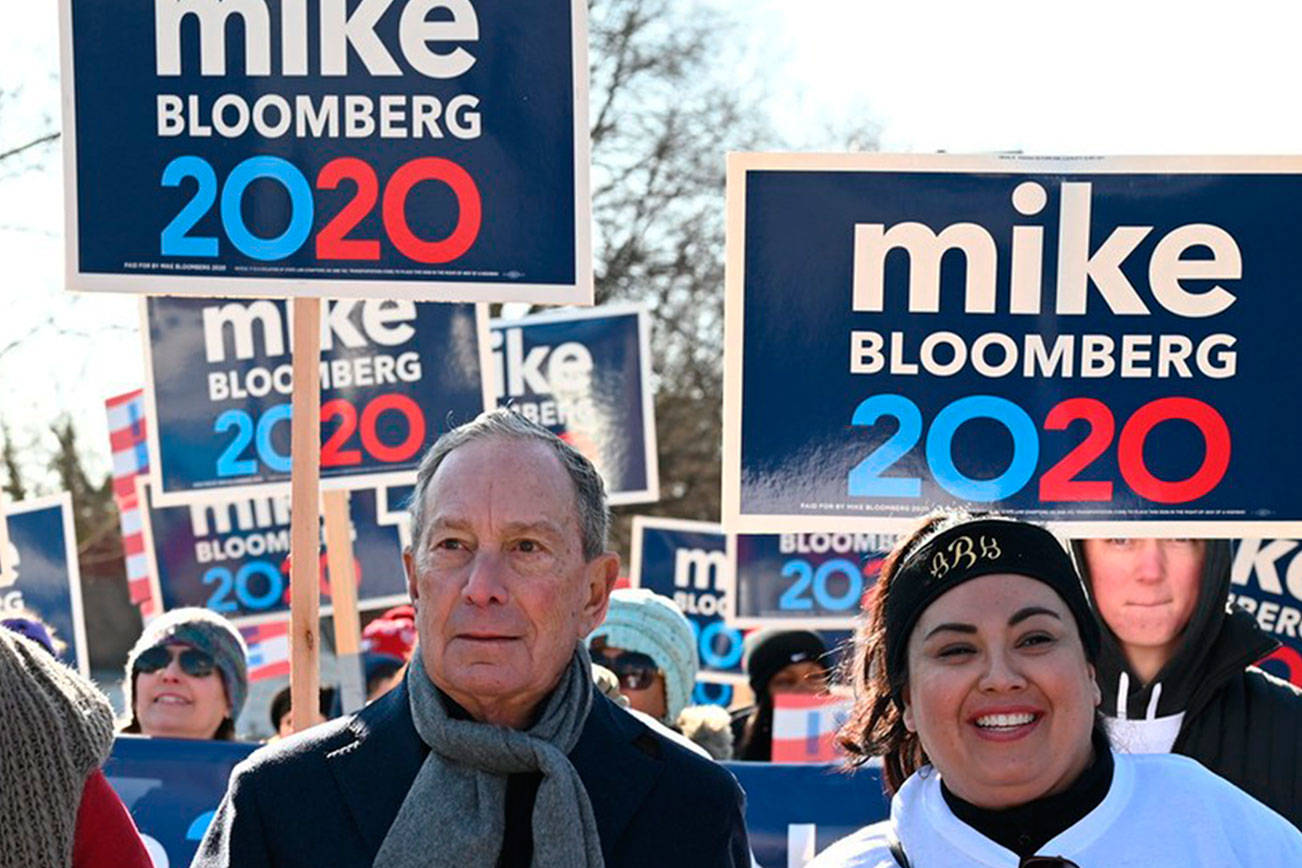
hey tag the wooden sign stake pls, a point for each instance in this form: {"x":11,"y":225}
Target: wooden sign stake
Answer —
{"x":304,"y":519}
{"x":343,"y":599}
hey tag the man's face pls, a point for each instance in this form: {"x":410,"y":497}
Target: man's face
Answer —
{"x":1146,"y":589}
{"x":500,"y":585}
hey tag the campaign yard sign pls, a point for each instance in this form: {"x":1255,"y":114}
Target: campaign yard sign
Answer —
{"x":687,"y":561}
{"x":172,"y":788}
{"x":394,"y":376}
{"x":1103,"y":343}
{"x":803,"y":580}
{"x":586,"y":376}
{"x":1266,"y":579}
{"x":233,"y":557}
{"x":328,"y":149}
{"x":46,"y":580}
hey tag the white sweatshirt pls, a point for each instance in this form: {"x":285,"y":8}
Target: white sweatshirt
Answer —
{"x":1161,"y":810}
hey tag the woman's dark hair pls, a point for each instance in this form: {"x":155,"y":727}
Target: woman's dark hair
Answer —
{"x":875,"y":726}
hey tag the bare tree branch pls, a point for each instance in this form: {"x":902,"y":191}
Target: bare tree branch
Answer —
{"x":34,"y":143}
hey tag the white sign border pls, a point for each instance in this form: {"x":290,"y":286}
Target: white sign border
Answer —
{"x":739,"y":164}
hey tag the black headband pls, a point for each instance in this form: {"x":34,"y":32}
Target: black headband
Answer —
{"x":971,"y":550}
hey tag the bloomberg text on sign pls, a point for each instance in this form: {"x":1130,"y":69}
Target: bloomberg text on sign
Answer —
{"x":394,"y":375}
{"x":328,"y":148}
{"x":586,"y":376}
{"x":1102,"y":343}
{"x":233,"y":557}
{"x":819,"y":581}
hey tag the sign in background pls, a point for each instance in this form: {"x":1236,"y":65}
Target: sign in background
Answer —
{"x":48,"y":580}
{"x":812,"y":580}
{"x":586,"y":376}
{"x":314,"y":150}
{"x":395,"y":375}
{"x":1103,"y":343}
{"x":1266,"y":579}
{"x":687,"y":561}
{"x":172,"y":788}
{"x":232,"y":557}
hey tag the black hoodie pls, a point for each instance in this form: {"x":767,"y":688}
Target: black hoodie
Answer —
{"x":1240,"y":722}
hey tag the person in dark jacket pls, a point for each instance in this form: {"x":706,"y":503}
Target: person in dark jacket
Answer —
{"x":1176,"y":668}
{"x":776,"y":661}
{"x":496,"y":751}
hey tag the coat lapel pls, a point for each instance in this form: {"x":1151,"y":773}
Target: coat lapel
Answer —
{"x":375,"y":770}
{"x":618,"y":760}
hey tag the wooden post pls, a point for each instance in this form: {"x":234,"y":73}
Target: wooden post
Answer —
{"x":343,"y":599}
{"x":304,"y":520}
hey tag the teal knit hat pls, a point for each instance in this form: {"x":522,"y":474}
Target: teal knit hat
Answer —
{"x":639,"y":620}
{"x":202,"y":629}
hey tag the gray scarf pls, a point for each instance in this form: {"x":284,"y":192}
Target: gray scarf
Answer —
{"x":454,"y":815}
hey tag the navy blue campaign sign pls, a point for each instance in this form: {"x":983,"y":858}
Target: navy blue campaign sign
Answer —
{"x":328,"y":149}
{"x":687,"y":561}
{"x":586,"y":375}
{"x":1266,"y":579}
{"x":394,"y":376}
{"x":803,"y":580}
{"x":796,"y":810}
{"x":233,"y":557}
{"x":172,"y":788}
{"x":47,"y":581}
{"x":1107,"y":344}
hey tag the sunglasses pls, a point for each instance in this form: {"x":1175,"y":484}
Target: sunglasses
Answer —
{"x":635,"y":670}
{"x":194,"y":662}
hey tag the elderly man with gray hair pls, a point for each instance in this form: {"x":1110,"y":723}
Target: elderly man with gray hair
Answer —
{"x":496,"y":750}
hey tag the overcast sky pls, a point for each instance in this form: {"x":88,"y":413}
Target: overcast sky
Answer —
{"x":1102,"y":77}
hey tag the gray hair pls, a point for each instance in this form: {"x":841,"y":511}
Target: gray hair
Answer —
{"x":589,"y":491}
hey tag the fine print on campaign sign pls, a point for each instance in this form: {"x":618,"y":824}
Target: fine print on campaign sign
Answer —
{"x":323,"y":148}
{"x":394,"y":376}
{"x":586,"y":376}
{"x":1102,"y":343}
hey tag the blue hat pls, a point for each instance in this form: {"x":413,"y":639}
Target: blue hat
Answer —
{"x":639,"y":620}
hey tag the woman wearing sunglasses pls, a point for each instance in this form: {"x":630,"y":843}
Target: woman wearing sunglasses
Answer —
{"x":975,"y":679}
{"x":648,"y":644}
{"x":187,"y":677}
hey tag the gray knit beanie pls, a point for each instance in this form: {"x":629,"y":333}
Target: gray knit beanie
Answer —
{"x":639,"y":620}
{"x":204,"y":630}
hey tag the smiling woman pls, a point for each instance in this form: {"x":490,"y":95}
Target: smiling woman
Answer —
{"x":187,"y":677}
{"x":975,"y":679}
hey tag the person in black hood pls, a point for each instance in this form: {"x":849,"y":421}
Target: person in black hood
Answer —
{"x":776,"y":661}
{"x":1176,"y":666}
